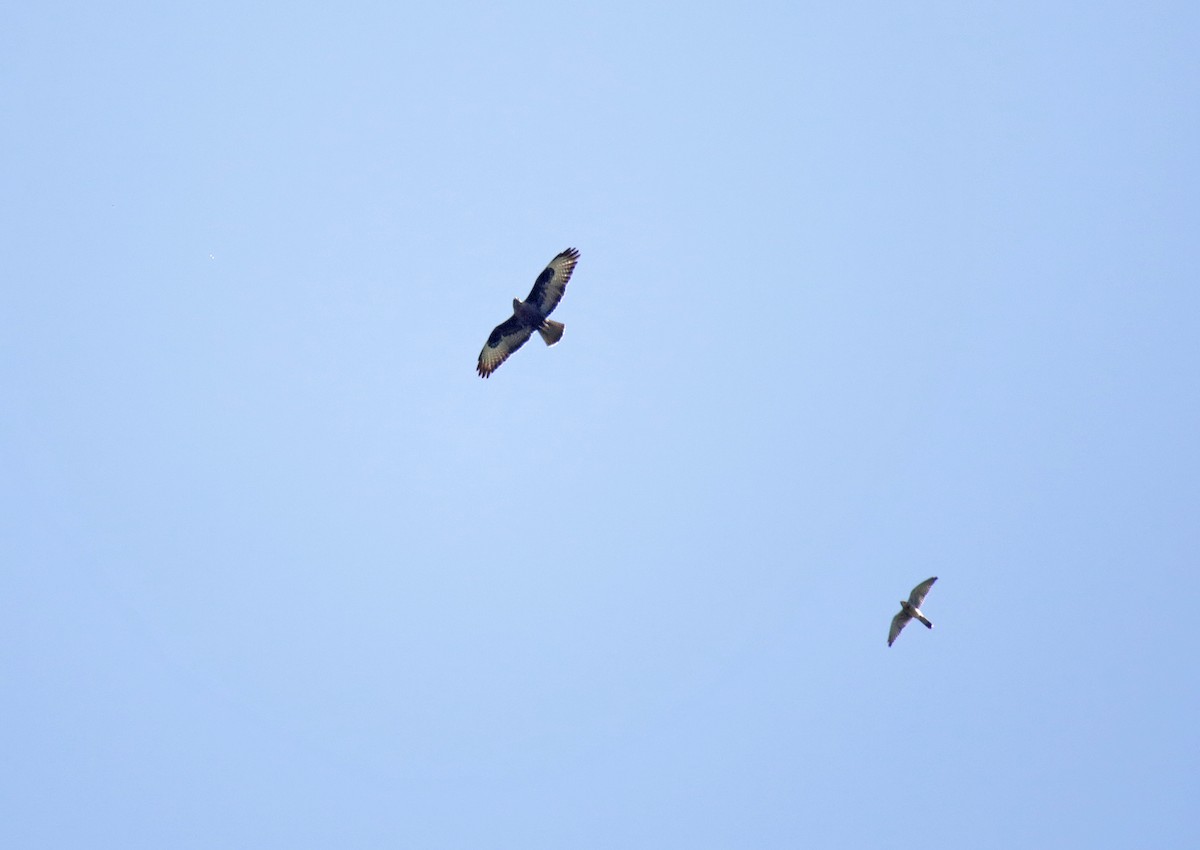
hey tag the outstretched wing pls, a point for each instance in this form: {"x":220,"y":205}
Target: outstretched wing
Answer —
{"x":917,"y":597}
{"x":504,"y":340}
{"x":898,"y":624}
{"x":552,"y":282}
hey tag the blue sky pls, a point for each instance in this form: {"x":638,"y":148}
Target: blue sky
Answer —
{"x":867,"y":293}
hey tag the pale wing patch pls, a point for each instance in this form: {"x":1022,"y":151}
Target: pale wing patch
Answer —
{"x":505,"y":339}
{"x":920,"y":592}
{"x":548,"y":289}
{"x":898,"y":624}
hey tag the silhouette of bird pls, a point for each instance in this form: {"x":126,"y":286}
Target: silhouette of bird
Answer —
{"x":530,"y":315}
{"x":910,"y":609}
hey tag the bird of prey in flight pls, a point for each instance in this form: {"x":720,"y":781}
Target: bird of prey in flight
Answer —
{"x":530,"y":315}
{"x":910,"y":609}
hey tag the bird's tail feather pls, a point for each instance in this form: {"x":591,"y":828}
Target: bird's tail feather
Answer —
{"x":925,"y":621}
{"x":551,"y":331}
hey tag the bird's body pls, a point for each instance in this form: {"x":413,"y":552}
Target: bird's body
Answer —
{"x":530,"y":315}
{"x":910,"y":609}
{"x":915,"y":613}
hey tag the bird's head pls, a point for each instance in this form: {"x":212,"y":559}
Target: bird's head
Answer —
{"x":516,"y":304}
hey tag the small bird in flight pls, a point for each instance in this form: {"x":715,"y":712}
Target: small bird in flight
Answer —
{"x":530,"y":315}
{"x":910,"y":609}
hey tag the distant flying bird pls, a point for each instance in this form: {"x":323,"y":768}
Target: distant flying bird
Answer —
{"x":910,"y":609}
{"x":530,"y":315}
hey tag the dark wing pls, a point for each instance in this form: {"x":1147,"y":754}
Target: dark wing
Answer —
{"x":917,"y":597}
{"x":898,"y":624}
{"x":552,"y":282}
{"x":505,"y":339}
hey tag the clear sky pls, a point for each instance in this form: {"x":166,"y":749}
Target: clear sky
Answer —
{"x":868,"y":292}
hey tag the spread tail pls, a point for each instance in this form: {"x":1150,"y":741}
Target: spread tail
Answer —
{"x":551,"y":331}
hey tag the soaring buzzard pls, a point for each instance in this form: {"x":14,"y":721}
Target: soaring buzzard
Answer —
{"x":530,"y":315}
{"x":911,"y":608}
